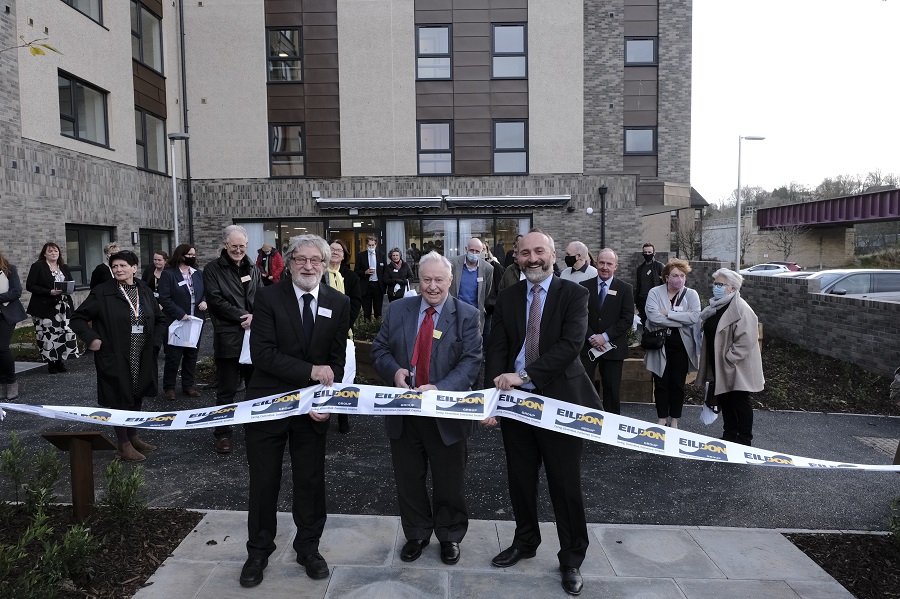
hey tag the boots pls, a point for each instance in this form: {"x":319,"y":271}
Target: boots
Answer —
{"x":140,"y":445}
{"x":61,"y":366}
{"x":12,"y":391}
{"x":51,"y":367}
{"x":127,"y":453}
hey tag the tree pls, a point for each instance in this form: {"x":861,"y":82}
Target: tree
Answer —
{"x":782,"y":239}
{"x":688,"y":238}
{"x":36,"y":49}
{"x":842,"y":185}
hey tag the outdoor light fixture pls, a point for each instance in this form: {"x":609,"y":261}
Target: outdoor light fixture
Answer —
{"x":173,"y":137}
{"x":737,"y":243}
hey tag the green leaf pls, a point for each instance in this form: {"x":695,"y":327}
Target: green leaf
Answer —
{"x":35,"y":51}
{"x":49,"y":47}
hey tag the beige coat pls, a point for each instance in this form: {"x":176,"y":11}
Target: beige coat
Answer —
{"x":736,"y":343}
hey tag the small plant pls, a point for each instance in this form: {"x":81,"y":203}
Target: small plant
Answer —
{"x":37,"y":476}
{"x":894,"y":521}
{"x":122,"y":502}
{"x":206,"y":370}
{"x":365,"y":329}
{"x":12,"y":463}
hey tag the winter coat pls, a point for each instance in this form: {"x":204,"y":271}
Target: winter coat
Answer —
{"x":686,"y":322}
{"x":11,"y":308}
{"x":228,"y":298}
{"x":276,"y":266}
{"x":40,"y":283}
{"x":736,"y":343}
{"x":106,"y":315}
{"x":394,"y":274}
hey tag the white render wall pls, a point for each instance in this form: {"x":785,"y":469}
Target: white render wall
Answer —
{"x":555,"y":86}
{"x":377,"y":65}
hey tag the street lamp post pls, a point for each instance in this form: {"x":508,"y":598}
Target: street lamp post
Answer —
{"x":173,"y":137}
{"x":602,"y":192}
{"x":737,"y":243}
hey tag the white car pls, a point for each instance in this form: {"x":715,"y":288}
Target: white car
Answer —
{"x":764,"y":269}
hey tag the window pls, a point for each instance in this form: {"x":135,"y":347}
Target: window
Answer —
{"x":286,"y":155}
{"x":150,"y":135}
{"x":510,"y":147}
{"x":640,"y":140}
{"x":886,"y":281}
{"x":508,"y":45}
{"x":435,"y":148}
{"x":641,"y":51}
{"x":90,"y":8}
{"x":84,"y":250}
{"x":153,"y":241}
{"x":82,"y":110}
{"x":146,"y":37}
{"x":433,"y":52}
{"x":285,"y":55}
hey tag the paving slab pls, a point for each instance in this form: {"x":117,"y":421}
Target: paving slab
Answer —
{"x":348,"y":582}
{"x":819,"y":589}
{"x":222,"y":536}
{"x":358,"y":540}
{"x":736,"y":589}
{"x":280,"y":580}
{"x":655,"y":553}
{"x":546,"y":560}
{"x":177,"y":578}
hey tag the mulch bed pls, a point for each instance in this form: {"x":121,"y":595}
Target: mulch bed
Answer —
{"x":128,"y":555}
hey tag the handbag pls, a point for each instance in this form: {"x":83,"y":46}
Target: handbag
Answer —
{"x":655,"y":340}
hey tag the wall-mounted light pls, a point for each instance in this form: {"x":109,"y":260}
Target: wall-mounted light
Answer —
{"x":316,"y":194}
{"x":445,"y":192}
{"x":135,"y":238}
{"x":589,"y":210}
{"x":354,"y":212}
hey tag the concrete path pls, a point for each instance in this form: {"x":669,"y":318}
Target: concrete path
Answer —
{"x":623,"y":562}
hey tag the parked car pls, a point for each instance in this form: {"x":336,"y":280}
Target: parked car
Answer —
{"x":794,"y":274}
{"x":792,"y":266}
{"x":866,"y":283}
{"x":767,"y":269}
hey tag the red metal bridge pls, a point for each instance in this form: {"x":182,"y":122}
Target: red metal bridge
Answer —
{"x":846,"y":211}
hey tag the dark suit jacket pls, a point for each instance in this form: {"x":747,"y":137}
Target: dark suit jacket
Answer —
{"x":175,"y":298}
{"x":40,"y":283}
{"x":351,"y":290}
{"x":557,"y":373}
{"x":362,"y":265}
{"x":282,"y":355}
{"x":455,"y":357}
{"x":101,"y":274}
{"x":615,"y":318}
{"x":12,"y":311}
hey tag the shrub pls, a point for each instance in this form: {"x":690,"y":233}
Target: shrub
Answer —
{"x":122,"y":502}
{"x":36,"y":476}
{"x":365,"y":329}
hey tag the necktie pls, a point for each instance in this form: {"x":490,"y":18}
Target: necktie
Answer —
{"x":421,"y":358}
{"x":602,"y":293}
{"x":533,"y":331}
{"x":308,"y":321}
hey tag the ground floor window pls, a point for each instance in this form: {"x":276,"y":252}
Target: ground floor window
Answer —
{"x":153,"y":241}
{"x":84,"y":250}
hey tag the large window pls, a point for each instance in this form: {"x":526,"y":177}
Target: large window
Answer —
{"x":277,"y":233}
{"x":286,"y":154}
{"x":82,"y":110}
{"x":640,"y":140}
{"x":91,"y":8}
{"x":433,"y":53}
{"x":510,"y":147}
{"x":435,"y":148}
{"x":153,"y":241}
{"x":509,"y":52}
{"x":641,"y":51}
{"x":84,"y":250}
{"x":146,"y":37}
{"x":285,"y":56}
{"x":150,"y":141}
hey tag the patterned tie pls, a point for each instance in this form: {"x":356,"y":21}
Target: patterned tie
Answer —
{"x":421,"y":358}
{"x":533,"y":331}
{"x":602,"y":292}
{"x":308,"y":321}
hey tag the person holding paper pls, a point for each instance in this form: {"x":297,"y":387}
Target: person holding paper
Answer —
{"x":674,"y":306}
{"x":51,"y":307}
{"x":120,"y":321}
{"x":299,"y":339}
{"x":432,"y":342}
{"x":396,"y":275}
{"x":182,"y":296}
{"x":610,"y":316}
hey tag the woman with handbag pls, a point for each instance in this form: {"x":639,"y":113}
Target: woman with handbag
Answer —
{"x":396,"y":276}
{"x":51,"y":308}
{"x":11,"y":313}
{"x":674,"y":309}
{"x":730,"y":358}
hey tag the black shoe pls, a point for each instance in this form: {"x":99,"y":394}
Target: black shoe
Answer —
{"x":343,"y":423}
{"x":449,"y":552}
{"x":52,"y":368}
{"x":511,"y":557}
{"x":315,"y":565}
{"x":61,"y":366}
{"x":571,"y":580}
{"x":413,"y":549}
{"x":252,"y":572}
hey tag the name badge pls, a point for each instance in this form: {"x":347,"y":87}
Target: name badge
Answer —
{"x":612,"y":292}
{"x":137,"y":329}
{"x":324,"y":312}
{"x":479,"y":279}
{"x":182,"y":283}
{"x":437,"y":334}
{"x":677,"y":308}
{"x":246,"y":279}
{"x":649,"y":271}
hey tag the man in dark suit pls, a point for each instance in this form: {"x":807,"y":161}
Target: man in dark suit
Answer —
{"x":435,"y":343}
{"x":610,"y":315}
{"x":368,"y":268}
{"x":298,"y":340}
{"x":539,"y":327}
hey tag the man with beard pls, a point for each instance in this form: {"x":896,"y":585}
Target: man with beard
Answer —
{"x":540,"y":325}
{"x":299,"y":340}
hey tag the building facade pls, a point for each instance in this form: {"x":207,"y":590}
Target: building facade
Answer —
{"x":416,"y":121}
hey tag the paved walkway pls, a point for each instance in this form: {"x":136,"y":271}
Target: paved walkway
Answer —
{"x":623,"y":562}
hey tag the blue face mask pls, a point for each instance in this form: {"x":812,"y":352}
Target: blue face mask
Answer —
{"x":718,"y":291}
{"x":473,"y":258}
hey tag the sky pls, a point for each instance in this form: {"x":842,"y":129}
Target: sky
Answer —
{"x":819,"y":79}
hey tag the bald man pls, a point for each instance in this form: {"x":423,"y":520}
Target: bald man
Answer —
{"x":473,"y":279}
{"x":577,"y":261}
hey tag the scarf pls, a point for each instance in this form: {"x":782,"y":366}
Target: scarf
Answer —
{"x":714,"y":304}
{"x":336,"y":280}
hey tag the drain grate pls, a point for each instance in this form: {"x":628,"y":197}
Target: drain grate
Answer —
{"x":885,"y":446}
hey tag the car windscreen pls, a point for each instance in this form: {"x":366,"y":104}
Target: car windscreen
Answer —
{"x":826,"y":279}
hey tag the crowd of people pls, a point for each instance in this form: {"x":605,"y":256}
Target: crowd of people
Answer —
{"x":474,"y":321}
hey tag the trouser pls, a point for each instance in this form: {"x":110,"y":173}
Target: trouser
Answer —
{"x":372,"y":299}
{"x":668,"y":389}
{"x":227,"y":372}
{"x":186,"y":357}
{"x":610,"y":381}
{"x":7,"y":364}
{"x":737,"y":416}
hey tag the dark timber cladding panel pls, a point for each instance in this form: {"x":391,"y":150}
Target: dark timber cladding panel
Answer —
{"x":471,"y":100}
{"x":149,"y":89}
{"x":641,"y":100}
{"x":316,"y":101}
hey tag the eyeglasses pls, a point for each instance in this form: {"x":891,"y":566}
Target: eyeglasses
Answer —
{"x":237,"y":247}
{"x":720,"y":284}
{"x":312,"y":261}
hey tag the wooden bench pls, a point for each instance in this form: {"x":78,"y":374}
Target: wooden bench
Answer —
{"x":81,"y":446}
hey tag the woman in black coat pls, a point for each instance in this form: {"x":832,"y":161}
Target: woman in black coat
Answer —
{"x":396,"y":275}
{"x":51,"y":309}
{"x":121,"y":323}
{"x":11,"y":312}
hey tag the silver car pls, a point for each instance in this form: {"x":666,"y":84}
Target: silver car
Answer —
{"x":865,"y":283}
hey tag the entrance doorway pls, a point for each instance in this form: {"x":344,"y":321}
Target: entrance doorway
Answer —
{"x":355,"y":240}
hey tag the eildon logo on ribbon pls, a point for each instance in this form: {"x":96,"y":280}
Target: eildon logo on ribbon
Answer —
{"x":156,"y":421}
{"x":588,"y":422}
{"x":768,"y":459}
{"x":218,"y":415}
{"x":532,"y":408}
{"x":343,"y":400}
{"x":652,"y":437}
{"x":98,"y":415}
{"x":278,"y":405}
{"x":706,"y":450}
{"x":404,"y":400}
{"x":473,"y":403}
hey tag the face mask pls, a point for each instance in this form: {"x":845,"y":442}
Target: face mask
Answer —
{"x":718,"y":291}
{"x":648,"y":258}
{"x":371,"y":250}
{"x":192,"y":261}
{"x":472,"y":257}
{"x":570,"y":261}
{"x":675,"y":283}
